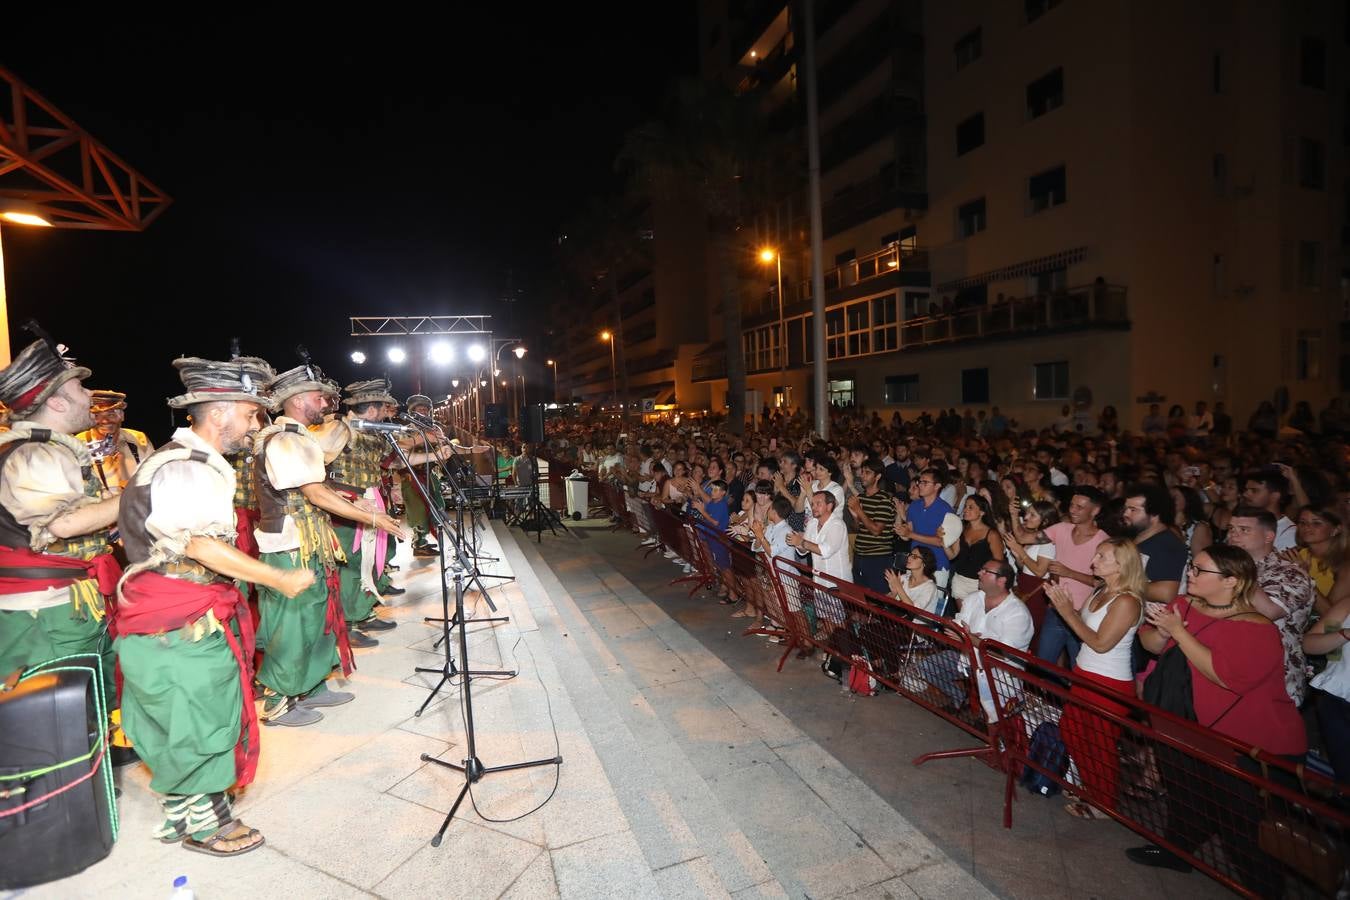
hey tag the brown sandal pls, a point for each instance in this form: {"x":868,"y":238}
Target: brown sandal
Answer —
{"x":1081,"y":809}
{"x":211,"y":844}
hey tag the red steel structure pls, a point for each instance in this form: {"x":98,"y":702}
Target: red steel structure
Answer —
{"x":51,"y":164}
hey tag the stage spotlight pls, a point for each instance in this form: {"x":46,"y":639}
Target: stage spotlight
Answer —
{"x":397,"y":355}
{"x":476,"y":353}
{"x":358,"y":357}
{"x":441,"y":353}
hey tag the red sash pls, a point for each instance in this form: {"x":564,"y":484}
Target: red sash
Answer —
{"x":336,"y":622}
{"x":154,"y":603}
{"x":102,"y":568}
{"x":245,"y":520}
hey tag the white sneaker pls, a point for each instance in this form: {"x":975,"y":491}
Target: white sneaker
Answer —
{"x":670,"y":554}
{"x":649,"y":542}
{"x":688,"y":569}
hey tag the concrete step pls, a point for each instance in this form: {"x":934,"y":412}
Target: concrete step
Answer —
{"x":694,"y":849}
{"x":732,"y":761}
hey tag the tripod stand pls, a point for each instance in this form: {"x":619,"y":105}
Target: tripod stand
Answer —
{"x":537,"y":516}
{"x":472,"y":767}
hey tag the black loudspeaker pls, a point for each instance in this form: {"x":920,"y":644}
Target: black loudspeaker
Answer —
{"x":47,"y":720}
{"x":495,"y":424}
{"x":532,"y":423}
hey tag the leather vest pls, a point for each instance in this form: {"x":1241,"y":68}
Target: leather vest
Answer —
{"x":13,"y":534}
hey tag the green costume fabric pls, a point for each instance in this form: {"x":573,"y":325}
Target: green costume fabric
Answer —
{"x":181,"y":706}
{"x":357,"y":602}
{"x":297,"y":653}
{"x":28,"y":638}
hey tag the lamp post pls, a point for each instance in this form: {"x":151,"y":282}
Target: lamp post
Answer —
{"x":769,"y":254}
{"x":553,"y":364}
{"x":501,"y":345}
{"x":608,"y":337}
{"x":17,"y":217}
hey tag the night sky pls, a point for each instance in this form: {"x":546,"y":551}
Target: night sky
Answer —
{"x":326,"y":167}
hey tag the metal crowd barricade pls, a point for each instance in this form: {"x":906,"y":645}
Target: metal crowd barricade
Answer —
{"x":1259,"y":824}
{"x":900,"y":646}
{"x":676,"y":535}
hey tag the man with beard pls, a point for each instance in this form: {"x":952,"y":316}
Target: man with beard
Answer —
{"x":304,"y":637}
{"x":1148,"y":509}
{"x":185,"y":635}
{"x":116,"y":451}
{"x":51,"y":518}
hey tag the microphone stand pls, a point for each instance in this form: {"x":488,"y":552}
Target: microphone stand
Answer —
{"x":471,"y":767}
{"x":447,"y":669}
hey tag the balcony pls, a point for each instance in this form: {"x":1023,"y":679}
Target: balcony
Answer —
{"x":873,"y":45}
{"x":893,"y":189}
{"x":1090,"y":305}
{"x":894,"y":266}
{"x":884,"y":115}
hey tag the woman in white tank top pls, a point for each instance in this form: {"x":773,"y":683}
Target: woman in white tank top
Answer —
{"x":1106,"y":626}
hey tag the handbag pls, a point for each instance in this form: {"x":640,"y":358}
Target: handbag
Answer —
{"x":1297,"y":844}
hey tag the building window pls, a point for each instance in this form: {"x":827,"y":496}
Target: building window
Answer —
{"x":970,"y":134}
{"x":1220,"y":174}
{"x":1308,"y":355}
{"x":1312,"y":59}
{"x":885,"y":324}
{"x":970,"y":218}
{"x":968,"y":49}
{"x":1052,"y":381}
{"x":1309,"y":265}
{"x":916,"y":305}
{"x":1047,"y":189}
{"x":1045,"y":93}
{"x":761,"y":348}
{"x":1216,"y":75}
{"x":1037,"y":8}
{"x":1048,"y":283}
{"x":859,"y":336}
{"x":847,"y":256}
{"x":1311,"y":165}
{"x":834,"y":333}
{"x":975,"y":386}
{"x":902,"y":389}
{"x":841,"y":393}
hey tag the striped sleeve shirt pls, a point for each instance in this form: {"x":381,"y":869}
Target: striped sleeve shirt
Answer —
{"x":880,"y":509}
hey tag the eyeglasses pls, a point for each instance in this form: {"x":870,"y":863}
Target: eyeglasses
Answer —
{"x":988,"y":572}
{"x":1196,"y":570}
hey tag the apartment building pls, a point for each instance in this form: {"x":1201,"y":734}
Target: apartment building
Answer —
{"x":1041,"y":202}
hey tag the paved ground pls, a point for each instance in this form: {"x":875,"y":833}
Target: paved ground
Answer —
{"x":955,"y":804}
{"x":680,"y":778}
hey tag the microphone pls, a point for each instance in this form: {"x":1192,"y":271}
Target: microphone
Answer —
{"x":380,"y":427}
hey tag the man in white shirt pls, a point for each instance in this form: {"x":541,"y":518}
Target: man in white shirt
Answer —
{"x":992,"y":613}
{"x":826,"y":539}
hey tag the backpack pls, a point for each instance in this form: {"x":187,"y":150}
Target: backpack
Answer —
{"x":1047,"y":750}
{"x":859,"y":682}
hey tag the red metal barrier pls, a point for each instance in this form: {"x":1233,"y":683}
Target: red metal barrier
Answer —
{"x":676,"y":534}
{"x":1257,"y":823}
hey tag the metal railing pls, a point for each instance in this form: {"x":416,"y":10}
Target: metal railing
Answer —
{"x":1098,"y":304}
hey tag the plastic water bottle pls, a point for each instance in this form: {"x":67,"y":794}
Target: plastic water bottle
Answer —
{"x":181,"y":891}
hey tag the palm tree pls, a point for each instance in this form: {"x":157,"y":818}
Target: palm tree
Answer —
{"x":710,"y":145}
{"x":603,"y":242}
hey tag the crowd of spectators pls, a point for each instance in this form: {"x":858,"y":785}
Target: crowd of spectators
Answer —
{"x":1202,"y":566}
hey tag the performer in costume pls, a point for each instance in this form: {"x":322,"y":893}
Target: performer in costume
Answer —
{"x":116,"y":451}
{"x":302,"y":638}
{"x":419,"y":520}
{"x":185,"y":635}
{"x":56,"y":566}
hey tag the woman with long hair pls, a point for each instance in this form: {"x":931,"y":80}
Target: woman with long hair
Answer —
{"x":1324,"y":552}
{"x":1106,"y":625}
{"x":1032,"y":552}
{"x":979,"y":543}
{"x":1234,"y":659}
{"x":916,"y":585}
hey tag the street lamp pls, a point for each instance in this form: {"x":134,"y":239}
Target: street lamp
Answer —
{"x":768,"y":254}
{"x":16,"y":214}
{"x":553,"y":364}
{"x":608,"y":337}
{"x":502,"y":344}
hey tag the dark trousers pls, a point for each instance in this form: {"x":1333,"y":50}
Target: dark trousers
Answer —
{"x":870,"y":572}
{"x":1333,"y":715}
